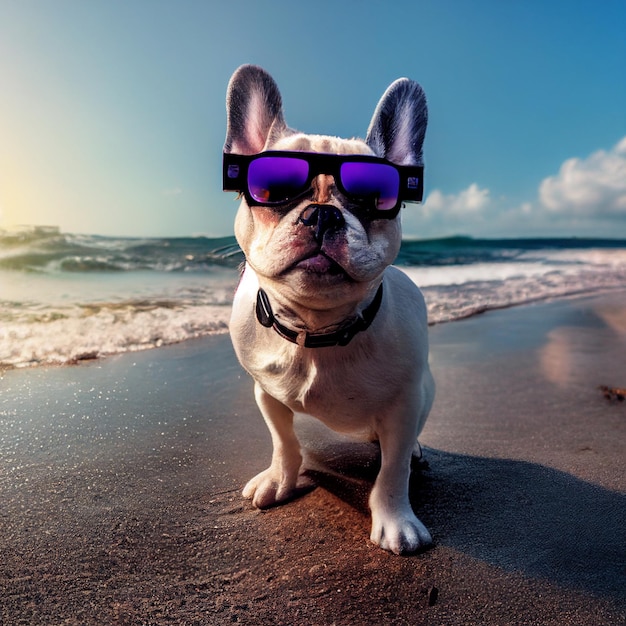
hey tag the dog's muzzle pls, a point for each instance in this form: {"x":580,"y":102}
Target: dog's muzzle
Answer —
{"x":323,"y":218}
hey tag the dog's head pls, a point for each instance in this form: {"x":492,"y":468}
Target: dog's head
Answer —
{"x":313,"y":229}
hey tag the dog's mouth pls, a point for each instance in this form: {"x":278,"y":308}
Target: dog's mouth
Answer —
{"x":319,"y":265}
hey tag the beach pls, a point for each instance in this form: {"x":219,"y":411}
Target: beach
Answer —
{"x":120,"y":483}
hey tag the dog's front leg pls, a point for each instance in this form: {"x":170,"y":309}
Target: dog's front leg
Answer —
{"x":281,"y":481}
{"x":395,"y":526}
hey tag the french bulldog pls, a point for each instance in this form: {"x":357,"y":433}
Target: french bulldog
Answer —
{"x":321,"y":320}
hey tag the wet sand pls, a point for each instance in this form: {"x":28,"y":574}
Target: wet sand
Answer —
{"x":120,"y":489}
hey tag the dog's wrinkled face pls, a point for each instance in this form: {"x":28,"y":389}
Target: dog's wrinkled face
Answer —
{"x":321,"y":249}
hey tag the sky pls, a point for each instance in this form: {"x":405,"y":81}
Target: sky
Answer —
{"x":112,"y":116}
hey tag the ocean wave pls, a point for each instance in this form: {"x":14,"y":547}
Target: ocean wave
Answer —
{"x":462,"y":250}
{"x":65,"y":298}
{"x":50,"y":251}
{"x":47,"y":250}
{"x":455,"y":292}
{"x":448,"y":304}
{"x":73,"y":334}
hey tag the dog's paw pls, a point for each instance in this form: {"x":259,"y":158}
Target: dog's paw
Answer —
{"x":269,"y":489}
{"x":401,"y":533}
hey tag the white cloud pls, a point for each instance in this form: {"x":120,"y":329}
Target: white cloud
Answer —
{"x":448,"y":214}
{"x":472,"y":200}
{"x":586,"y":198}
{"x":595,"y":186}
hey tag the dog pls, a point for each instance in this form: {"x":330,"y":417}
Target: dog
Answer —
{"x":321,"y":320}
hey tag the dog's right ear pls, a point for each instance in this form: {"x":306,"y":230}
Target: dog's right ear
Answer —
{"x":254,"y":111}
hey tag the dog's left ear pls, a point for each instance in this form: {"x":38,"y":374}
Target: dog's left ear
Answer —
{"x":398,"y":126}
{"x":254,"y":111}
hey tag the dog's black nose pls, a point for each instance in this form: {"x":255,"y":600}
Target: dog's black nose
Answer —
{"x":323,"y":217}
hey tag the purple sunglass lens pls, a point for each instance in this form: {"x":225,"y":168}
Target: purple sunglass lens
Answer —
{"x":377,"y":180}
{"x":273,"y":180}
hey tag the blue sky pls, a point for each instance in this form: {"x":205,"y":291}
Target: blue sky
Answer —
{"x":112,"y":112}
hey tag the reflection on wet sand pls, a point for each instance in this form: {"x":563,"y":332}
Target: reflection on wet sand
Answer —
{"x":575,"y":353}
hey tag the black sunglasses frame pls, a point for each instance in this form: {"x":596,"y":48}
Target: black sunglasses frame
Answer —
{"x":235,"y":175}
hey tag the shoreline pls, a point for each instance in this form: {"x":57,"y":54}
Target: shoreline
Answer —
{"x":96,"y":356}
{"x":120,"y":480}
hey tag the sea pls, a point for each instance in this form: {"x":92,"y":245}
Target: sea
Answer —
{"x":65,"y":297}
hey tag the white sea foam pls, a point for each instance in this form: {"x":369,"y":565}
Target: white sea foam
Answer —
{"x":62,"y":318}
{"x":479,"y":272}
{"x":85,"y":333}
{"x":458,"y":291}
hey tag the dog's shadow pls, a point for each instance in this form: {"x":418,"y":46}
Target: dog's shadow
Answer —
{"x":516,"y":515}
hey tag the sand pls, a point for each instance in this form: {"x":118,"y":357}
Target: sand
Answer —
{"x":120,"y":489}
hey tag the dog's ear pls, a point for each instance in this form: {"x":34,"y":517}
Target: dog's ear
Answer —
{"x":398,"y":126}
{"x":254,"y":111}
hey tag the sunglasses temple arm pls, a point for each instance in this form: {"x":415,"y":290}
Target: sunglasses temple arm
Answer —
{"x":234,"y":172}
{"x":412,"y":184}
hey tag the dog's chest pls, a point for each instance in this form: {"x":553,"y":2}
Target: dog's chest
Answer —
{"x":322,"y":384}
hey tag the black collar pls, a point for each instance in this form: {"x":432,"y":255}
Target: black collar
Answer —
{"x":339,"y":337}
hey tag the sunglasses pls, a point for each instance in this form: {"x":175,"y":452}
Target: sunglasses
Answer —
{"x":275,"y":178}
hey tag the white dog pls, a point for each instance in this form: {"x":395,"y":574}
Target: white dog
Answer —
{"x":320,"y":320}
